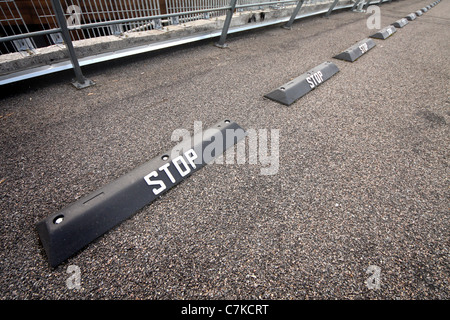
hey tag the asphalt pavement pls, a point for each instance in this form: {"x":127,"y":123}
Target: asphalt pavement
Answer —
{"x":358,"y":207}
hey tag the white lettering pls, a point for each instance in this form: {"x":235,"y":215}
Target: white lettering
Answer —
{"x":191,"y":156}
{"x":364,"y":47}
{"x":160,"y":183}
{"x":209,"y":311}
{"x":311,"y":84}
{"x":318,"y":77}
{"x":167,"y":171}
{"x":315,"y":79}
{"x":177,"y":165}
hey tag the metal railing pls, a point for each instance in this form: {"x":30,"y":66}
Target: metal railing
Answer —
{"x":12,"y":20}
{"x":77,"y":12}
{"x":180,"y":6}
{"x":62,"y":22}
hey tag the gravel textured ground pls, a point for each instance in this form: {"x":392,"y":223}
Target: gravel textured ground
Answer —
{"x":362,"y":180}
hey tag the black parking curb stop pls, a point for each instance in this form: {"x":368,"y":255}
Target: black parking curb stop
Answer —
{"x":308,"y":81}
{"x":69,"y":230}
{"x":400,"y":23}
{"x":384,"y":33}
{"x":356,"y":51}
{"x":411,"y":16}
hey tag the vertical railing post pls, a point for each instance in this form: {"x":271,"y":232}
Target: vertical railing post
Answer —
{"x":288,"y":25}
{"x":226,"y":25}
{"x":367,"y":4}
{"x":80,"y":81}
{"x":355,"y":5}
{"x":331,"y":8}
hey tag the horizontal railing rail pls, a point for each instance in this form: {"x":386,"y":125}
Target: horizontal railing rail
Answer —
{"x":138,"y":19}
{"x":65,"y":30}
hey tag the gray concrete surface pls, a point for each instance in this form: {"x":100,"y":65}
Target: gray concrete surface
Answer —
{"x":363,"y":176}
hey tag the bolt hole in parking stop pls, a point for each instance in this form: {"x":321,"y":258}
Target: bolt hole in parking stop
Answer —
{"x":58,"y":219}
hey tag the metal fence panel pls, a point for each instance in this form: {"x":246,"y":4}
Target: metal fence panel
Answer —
{"x":40,"y":16}
{"x":29,"y":24}
{"x":179,"y":6}
{"x":12,"y":23}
